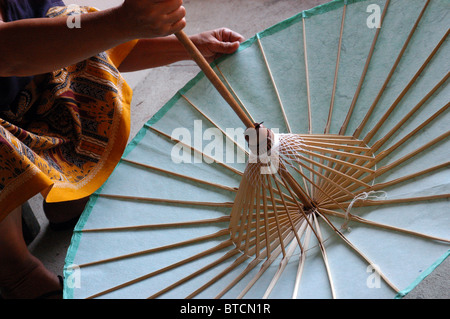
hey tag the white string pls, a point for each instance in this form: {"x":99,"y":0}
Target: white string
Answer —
{"x":363,"y":196}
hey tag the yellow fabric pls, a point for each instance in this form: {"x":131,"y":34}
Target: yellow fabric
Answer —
{"x":67,"y":131}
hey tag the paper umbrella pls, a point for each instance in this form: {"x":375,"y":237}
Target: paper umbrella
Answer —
{"x":350,"y":201}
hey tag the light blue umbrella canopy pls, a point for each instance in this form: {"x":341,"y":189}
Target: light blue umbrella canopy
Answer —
{"x":180,"y":217}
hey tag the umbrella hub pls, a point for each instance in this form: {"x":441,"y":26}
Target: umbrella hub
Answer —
{"x":289,"y":179}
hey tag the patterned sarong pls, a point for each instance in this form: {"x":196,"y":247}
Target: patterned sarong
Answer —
{"x":67,"y":131}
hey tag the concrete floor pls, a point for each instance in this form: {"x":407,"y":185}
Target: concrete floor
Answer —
{"x":159,"y":85}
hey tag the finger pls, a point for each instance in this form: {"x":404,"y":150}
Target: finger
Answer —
{"x":180,"y":25}
{"x":176,"y":15}
{"x":170,"y":6}
{"x":231,"y":36}
{"x":221,"y":47}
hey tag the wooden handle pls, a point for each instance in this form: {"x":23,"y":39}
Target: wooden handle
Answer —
{"x":212,"y":76}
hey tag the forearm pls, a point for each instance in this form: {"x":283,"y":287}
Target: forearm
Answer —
{"x":36,"y":46}
{"x":151,"y":53}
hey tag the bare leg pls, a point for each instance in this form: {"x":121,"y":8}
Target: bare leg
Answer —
{"x":21,"y":274}
{"x":62,"y":212}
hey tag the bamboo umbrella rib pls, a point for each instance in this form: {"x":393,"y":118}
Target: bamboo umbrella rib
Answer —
{"x":249,"y":220}
{"x":248,"y":200}
{"x":299,"y":207}
{"x":381,"y":225}
{"x":303,"y":197}
{"x":249,"y":267}
{"x":276,"y":216}
{"x":265,"y":266}
{"x":349,"y":177}
{"x":218,"y":247}
{"x":273,"y":83}
{"x":195,"y":274}
{"x":220,"y":233}
{"x":331,"y":139}
{"x":301,"y":262}
{"x":254,"y":227}
{"x":291,"y":200}
{"x":388,"y":167}
{"x":368,"y":202}
{"x":236,"y":228}
{"x":385,"y":153}
{"x":235,"y":213}
{"x":380,"y":156}
{"x":266,"y":224}
{"x":388,"y":78}
{"x":165,"y":200}
{"x":379,"y":186}
{"x":272,"y":233}
{"x":326,"y":179}
{"x":344,"y":138}
{"x":401,"y":200}
{"x":238,"y":278}
{"x":308,"y":92}
{"x":336,"y":152}
{"x":363,"y":75}
{"x":321,"y":190}
{"x":164,"y":225}
{"x":194,"y":149}
{"x":381,"y":141}
{"x":214,"y":123}
{"x":235,"y":94}
{"x":410,"y":134}
{"x":356,"y":250}
{"x":339,"y":146}
{"x":289,"y":215}
{"x":231,"y":189}
{"x":343,"y":163}
{"x":283,"y":263}
{"x":258,"y":219}
{"x":306,"y":188}
{"x":336,"y":71}
{"x":236,"y":263}
{"x":382,"y":120}
{"x":269,"y":225}
{"x":335,"y":179}
{"x":325,"y":257}
{"x":183,"y":280}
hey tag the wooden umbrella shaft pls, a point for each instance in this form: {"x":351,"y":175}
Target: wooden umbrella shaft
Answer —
{"x":212,"y":76}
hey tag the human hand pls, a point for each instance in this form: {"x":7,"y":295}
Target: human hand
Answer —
{"x":215,"y":43}
{"x":152,"y":18}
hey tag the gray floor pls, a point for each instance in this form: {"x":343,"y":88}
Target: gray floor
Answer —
{"x":159,"y":85}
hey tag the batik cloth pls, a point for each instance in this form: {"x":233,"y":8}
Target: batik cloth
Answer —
{"x":66,"y":130}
